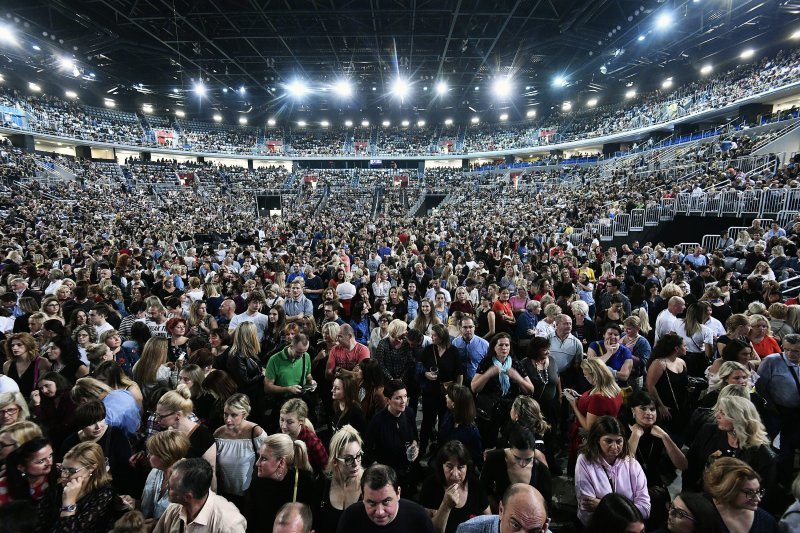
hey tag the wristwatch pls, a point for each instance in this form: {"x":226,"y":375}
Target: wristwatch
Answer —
{"x":69,"y":508}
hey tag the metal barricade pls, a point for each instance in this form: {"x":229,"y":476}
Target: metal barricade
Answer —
{"x":785,"y":218}
{"x":792,"y":201}
{"x":606,"y":231}
{"x":729,"y":203}
{"x":709,"y":242}
{"x":713,"y":204}
{"x":637,"y":219}
{"x":652,"y":215}
{"x":667,"y":209}
{"x":687,"y":247}
{"x":750,"y":203}
{"x":682,"y":203}
{"x":697,"y":204}
{"x":576,"y":237}
{"x":772,"y":201}
{"x":733,"y":231}
{"x":622,"y":225}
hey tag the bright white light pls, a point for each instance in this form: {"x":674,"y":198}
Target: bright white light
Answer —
{"x":71,"y":94}
{"x":365,"y":123}
{"x":664,"y":20}
{"x":34,"y":87}
{"x":36,"y":47}
{"x":242,"y":120}
{"x":242,"y":90}
{"x":76,"y":72}
{"x":504,"y":116}
{"x":180,"y":113}
{"x":348,"y":123}
{"x":385,"y":123}
{"x":448,"y":122}
{"x":109,"y":103}
{"x":175,"y":90}
{"x":667,"y":83}
{"x":502,"y":87}
{"x":795,"y":35}
{"x":217,"y":118}
{"x":421,"y":123}
{"x":630,"y":94}
{"x":301,"y":123}
{"x":2,"y":78}
{"x":560,"y":81}
{"x":147,"y":108}
{"x":271,"y":122}
{"x":405,"y":123}
{"x":747,"y":54}
{"x":706,"y":69}
{"x":400,"y":88}
{"x":200,"y":89}
{"x":441,"y":88}
{"x":592,"y":102}
{"x":297,"y":89}
{"x":7,"y":35}
{"x":566,"y":106}
{"x":474,"y":120}
{"x":530,"y":113}
{"x":324,"y":123}
{"x":640,"y":38}
{"x":343,"y":88}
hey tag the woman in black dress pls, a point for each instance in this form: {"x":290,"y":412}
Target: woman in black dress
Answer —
{"x":341,"y":485}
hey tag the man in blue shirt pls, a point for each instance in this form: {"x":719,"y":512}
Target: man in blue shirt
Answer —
{"x":470,"y":348}
{"x":522,"y":509}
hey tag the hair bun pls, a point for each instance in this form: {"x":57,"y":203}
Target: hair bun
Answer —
{"x":183,"y":390}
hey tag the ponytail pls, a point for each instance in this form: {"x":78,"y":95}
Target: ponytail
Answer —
{"x":300,"y":459}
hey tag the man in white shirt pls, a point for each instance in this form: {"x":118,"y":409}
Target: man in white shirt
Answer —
{"x":97,"y":316}
{"x":668,"y":318}
{"x":253,"y":314}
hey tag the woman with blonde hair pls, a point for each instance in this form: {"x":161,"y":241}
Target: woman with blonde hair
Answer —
{"x":244,"y":366}
{"x":172,"y":412}
{"x":121,"y":408}
{"x":164,"y":449}
{"x":294,"y":422}
{"x":283,"y":475}
{"x":341,"y":485}
{"x":24,"y":364}
{"x":200,"y":322}
{"x":236,"y":441}
{"x":151,"y":369}
{"x":12,"y":436}
{"x":761,"y":336}
{"x":738,"y":491}
{"x":604,"y":398}
{"x":13,"y":408}
{"x":778,"y":320}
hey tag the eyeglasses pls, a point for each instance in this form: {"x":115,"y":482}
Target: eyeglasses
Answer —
{"x":9,"y":411}
{"x":351,"y":460}
{"x":753,"y":494}
{"x":69,"y":472}
{"x":162,"y":417}
{"x":676,"y":513}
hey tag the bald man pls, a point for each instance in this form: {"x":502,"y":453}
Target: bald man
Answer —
{"x":293,"y":518}
{"x":521,"y":510}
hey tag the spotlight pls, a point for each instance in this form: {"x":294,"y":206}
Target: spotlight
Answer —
{"x":640,"y":38}
{"x":34,"y":87}
{"x":630,"y":94}
{"x":474,"y":120}
{"x":566,"y":106}
{"x":795,"y":35}
{"x":343,"y":88}
{"x":297,"y":89}
{"x":603,"y":69}
{"x":664,"y":20}
{"x":591,"y":102}
{"x":448,"y":122}
{"x":421,"y":123}
{"x":200,"y":89}
{"x":324,"y":123}
{"x":400,"y":88}
{"x":747,"y":54}
{"x":348,"y":123}
{"x":530,"y":113}
{"x":271,"y":122}
{"x":706,"y":69}
{"x":109,"y":103}
{"x":242,"y":90}
{"x":242,"y":120}
{"x":386,"y":123}
{"x":76,"y":72}
{"x":365,"y":123}
{"x":66,"y":63}
{"x":147,"y":108}
{"x":217,"y":118}
{"x":225,"y":90}
{"x":502,"y":87}
{"x":667,"y":83}
{"x":7,"y":35}
{"x":301,"y":123}
{"x":441,"y":88}
{"x":560,"y":81}
{"x":71,"y":94}
{"x":405,"y":123}
{"x":504,"y":116}
{"x":180,"y":113}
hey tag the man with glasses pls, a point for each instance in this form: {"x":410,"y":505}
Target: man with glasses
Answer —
{"x":522,"y":510}
{"x":195,"y":507}
{"x":779,"y":382}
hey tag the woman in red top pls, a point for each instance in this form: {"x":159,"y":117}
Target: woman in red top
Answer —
{"x":544,"y":287}
{"x":29,"y":471}
{"x":605,"y":398}
{"x":761,"y":337}
{"x":504,"y":314}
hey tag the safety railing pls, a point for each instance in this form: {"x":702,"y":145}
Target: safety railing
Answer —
{"x":687,"y":247}
{"x":622,"y":224}
{"x":606,"y":231}
{"x":652,"y":215}
{"x":637,"y":220}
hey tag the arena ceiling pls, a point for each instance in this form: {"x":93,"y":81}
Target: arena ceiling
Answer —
{"x":155,"y":51}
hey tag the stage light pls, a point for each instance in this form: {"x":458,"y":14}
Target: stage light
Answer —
{"x":667,"y":83}
{"x":7,"y":35}
{"x":271,"y":122}
{"x":343,"y":88}
{"x":348,"y":123}
{"x":66,"y":63}
{"x":448,"y":122}
{"x":663,"y":21}
{"x":400,"y":88}
{"x":109,"y":102}
{"x":147,"y":108}
{"x":301,"y":123}
{"x":217,"y":118}
{"x":566,"y":106}
{"x":71,"y":94}
{"x":242,"y":90}
{"x":504,"y":116}
{"x":706,"y":69}
{"x":502,"y":87}
{"x":405,"y":123}
{"x":795,"y":35}
{"x":225,"y":90}
{"x":386,"y":123}
{"x":34,"y":87}
{"x":243,"y":120}
{"x":640,"y":38}
{"x":297,"y":89}
{"x":180,"y":113}
{"x":365,"y":123}
{"x":324,"y":123}
{"x":200,"y":89}
{"x":421,"y":123}
{"x":592,"y":102}
{"x":441,"y":88}
{"x":630,"y":94}
{"x":747,"y":54}
{"x":474,"y":120}
{"x":560,"y":81}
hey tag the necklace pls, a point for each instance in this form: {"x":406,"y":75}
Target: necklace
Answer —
{"x":544,"y":375}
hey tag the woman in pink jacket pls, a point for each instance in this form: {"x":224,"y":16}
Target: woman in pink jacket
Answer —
{"x":605,"y":466}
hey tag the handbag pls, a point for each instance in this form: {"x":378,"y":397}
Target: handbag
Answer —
{"x":486,"y":405}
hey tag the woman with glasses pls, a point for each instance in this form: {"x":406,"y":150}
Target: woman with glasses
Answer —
{"x":692,"y":512}
{"x":341,"y":485}
{"x":237,"y":442}
{"x":737,"y":432}
{"x":737,"y":493}
{"x":379,"y":333}
{"x":85,"y":335}
{"x":13,"y":408}
{"x":520,"y":462}
{"x":29,"y":472}
{"x":51,"y":309}
{"x":607,"y":465}
{"x":453,"y":493}
{"x":24,"y":365}
{"x":85,"y":500}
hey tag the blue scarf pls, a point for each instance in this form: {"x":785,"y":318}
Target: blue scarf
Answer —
{"x":505,"y":383}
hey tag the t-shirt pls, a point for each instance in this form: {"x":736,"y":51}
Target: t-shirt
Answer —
{"x":432,"y":495}
{"x":411,"y":517}
{"x":286,"y":372}
{"x":347,"y":359}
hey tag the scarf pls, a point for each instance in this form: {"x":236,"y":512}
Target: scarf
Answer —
{"x":505,"y":383}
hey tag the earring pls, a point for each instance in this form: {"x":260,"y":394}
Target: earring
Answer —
{"x":23,"y":474}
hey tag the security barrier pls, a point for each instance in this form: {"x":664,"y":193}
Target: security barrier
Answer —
{"x":622,"y":225}
{"x":637,"y":220}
